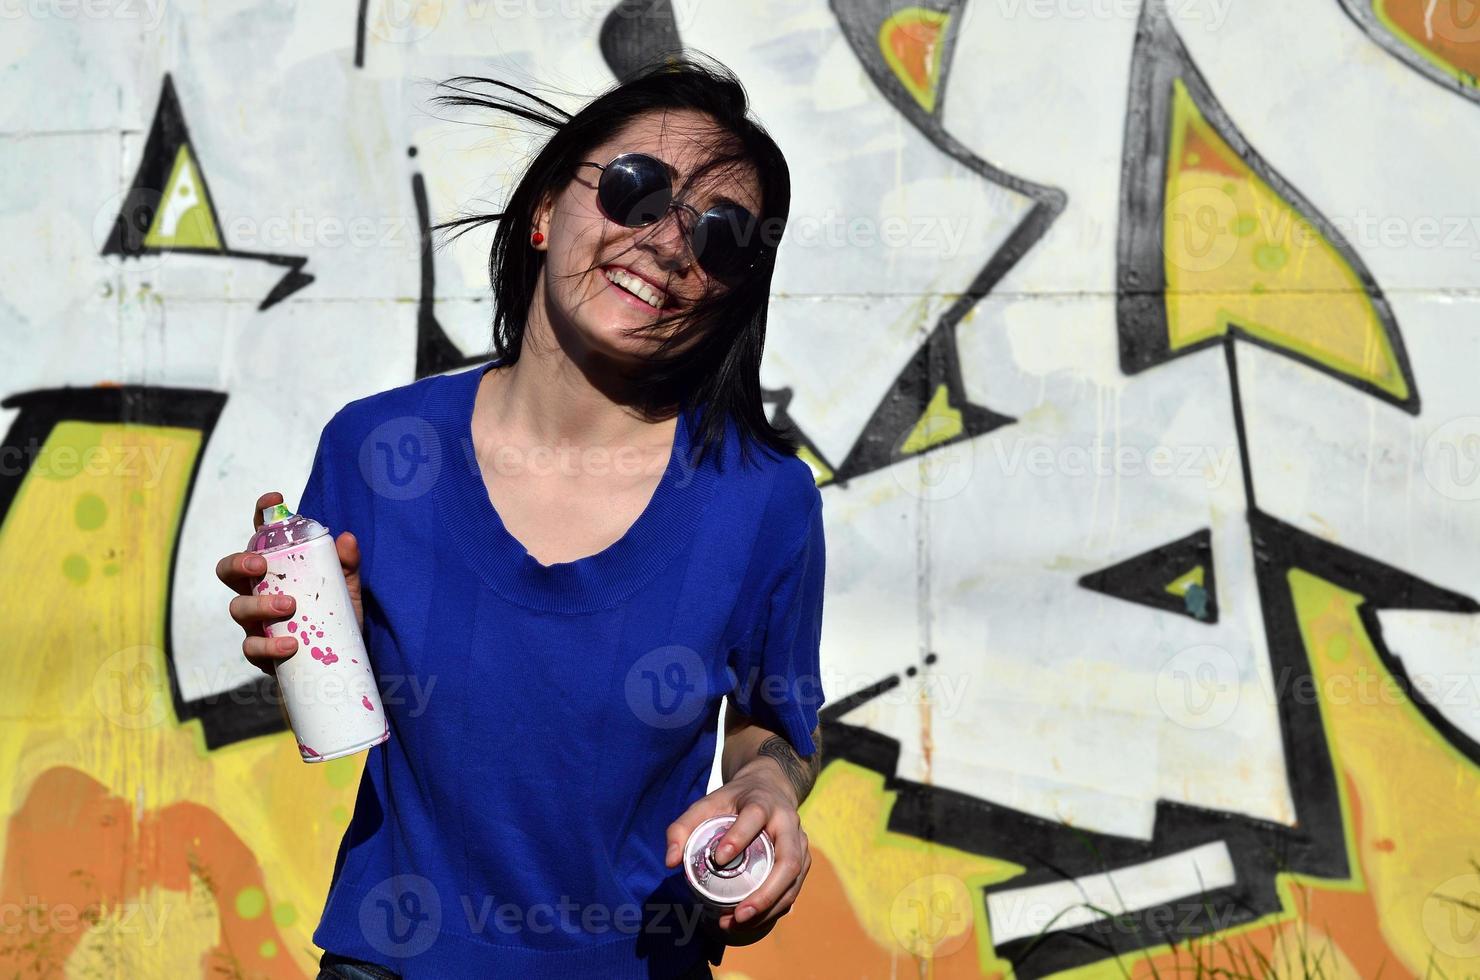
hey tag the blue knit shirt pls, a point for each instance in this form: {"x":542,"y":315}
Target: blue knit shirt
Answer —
{"x":549,"y":722}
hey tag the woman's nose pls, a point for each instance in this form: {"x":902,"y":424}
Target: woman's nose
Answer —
{"x":668,"y":242}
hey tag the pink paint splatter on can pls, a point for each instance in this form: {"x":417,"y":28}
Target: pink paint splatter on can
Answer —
{"x":365,"y":700}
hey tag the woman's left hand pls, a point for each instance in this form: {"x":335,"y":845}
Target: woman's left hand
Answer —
{"x":763,"y":798}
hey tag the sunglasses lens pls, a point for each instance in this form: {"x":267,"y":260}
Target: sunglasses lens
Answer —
{"x":726,"y":241}
{"x":634,"y":190}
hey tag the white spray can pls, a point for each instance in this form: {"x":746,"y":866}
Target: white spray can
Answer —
{"x":722,"y":887}
{"x":328,"y":687}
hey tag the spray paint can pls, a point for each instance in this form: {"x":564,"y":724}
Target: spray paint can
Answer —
{"x":722,"y":887}
{"x":328,"y":687}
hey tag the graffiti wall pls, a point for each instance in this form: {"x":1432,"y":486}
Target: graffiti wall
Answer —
{"x":1133,"y":343}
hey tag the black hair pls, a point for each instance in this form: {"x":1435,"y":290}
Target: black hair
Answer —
{"x":722,"y":335}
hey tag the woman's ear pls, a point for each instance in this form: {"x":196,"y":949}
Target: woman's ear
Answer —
{"x":539,"y":228}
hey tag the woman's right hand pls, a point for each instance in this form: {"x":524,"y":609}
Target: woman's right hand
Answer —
{"x":241,"y":569}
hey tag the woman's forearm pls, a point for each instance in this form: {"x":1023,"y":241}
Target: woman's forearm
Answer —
{"x":756,"y":750}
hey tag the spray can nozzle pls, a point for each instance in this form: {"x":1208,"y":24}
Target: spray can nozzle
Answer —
{"x":275,"y":513}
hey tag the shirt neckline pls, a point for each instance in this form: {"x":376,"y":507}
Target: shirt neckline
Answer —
{"x":594,"y":582}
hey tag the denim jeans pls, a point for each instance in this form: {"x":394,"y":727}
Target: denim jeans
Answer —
{"x":334,"y":967}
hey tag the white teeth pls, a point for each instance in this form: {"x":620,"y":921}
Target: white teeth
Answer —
{"x":637,"y":287}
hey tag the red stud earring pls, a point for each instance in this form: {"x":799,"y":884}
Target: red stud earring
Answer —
{"x":536,"y":238}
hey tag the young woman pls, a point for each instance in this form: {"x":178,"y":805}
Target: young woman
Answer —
{"x":567,"y":560}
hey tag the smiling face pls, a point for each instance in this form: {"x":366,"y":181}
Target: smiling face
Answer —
{"x":601,"y":278}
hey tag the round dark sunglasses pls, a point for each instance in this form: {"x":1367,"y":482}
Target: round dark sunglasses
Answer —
{"x":635,"y":191}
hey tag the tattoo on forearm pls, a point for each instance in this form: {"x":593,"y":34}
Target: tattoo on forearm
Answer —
{"x":800,"y":772}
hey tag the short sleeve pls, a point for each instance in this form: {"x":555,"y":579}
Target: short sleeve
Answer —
{"x":778,"y":677}
{"x":320,"y":497}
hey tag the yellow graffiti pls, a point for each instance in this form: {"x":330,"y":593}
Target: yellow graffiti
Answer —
{"x":822,"y":474}
{"x":1236,"y":253}
{"x":86,"y":547}
{"x":184,"y":218}
{"x":164,"y":934}
{"x":1302,"y":951}
{"x":940,"y":422}
{"x":1421,"y":796}
{"x":1179,"y":585}
{"x":910,"y":896}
